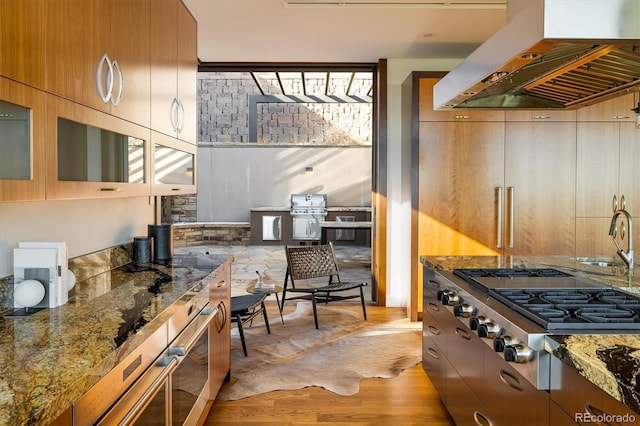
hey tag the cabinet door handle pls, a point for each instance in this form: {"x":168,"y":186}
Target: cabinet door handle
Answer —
{"x":105,"y":95}
{"x":434,"y":284}
{"x":173,"y":114}
{"x":433,"y":307}
{"x":433,"y":330}
{"x":595,"y":411}
{"x":511,"y":200}
{"x":510,"y":380}
{"x":433,"y":353}
{"x":614,"y":203}
{"x":463,"y":333}
{"x":155,"y":386}
{"x":481,"y":420}
{"x":499,"y":229}
{"x":107,"y":189}
{"x":115,"y":100}
{"x":180,"y":116}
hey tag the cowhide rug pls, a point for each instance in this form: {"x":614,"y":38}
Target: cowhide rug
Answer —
{"x":345,"y":350}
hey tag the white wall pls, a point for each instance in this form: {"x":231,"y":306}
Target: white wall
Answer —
{"x":252,"y":175}
{"x":86,"y":225}
{"x":399,"y":178}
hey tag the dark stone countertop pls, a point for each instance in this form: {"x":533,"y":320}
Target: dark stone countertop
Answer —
{"x":610,"y":361}
{"x":49,"y":359}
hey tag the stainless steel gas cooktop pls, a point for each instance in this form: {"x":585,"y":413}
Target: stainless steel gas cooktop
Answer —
{"x":557,"y":300}
{"x":524,"y":278}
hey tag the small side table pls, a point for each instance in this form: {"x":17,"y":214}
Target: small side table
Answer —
{"x":276,"y":289}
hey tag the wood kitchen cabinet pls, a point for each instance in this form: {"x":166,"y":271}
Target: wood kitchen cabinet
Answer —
{"x":90,"y":154}
{"x":608,"y":146}
{"x":174,"y":166}
{"x":98,"y":55}
{"x":220,"y":344}
{"x":22,"y":142}
{"x":174,"y":66}
{"x":540,"y":167}
{"x":494,"y":187}
{"x":460,"y":167}
{"x":616,"y":109}
{"x":22,"y":37}
{"x":427,"y":113}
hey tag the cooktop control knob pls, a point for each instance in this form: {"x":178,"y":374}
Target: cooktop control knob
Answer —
{"x":441,"y":293}
{"x":489,"y":330}
{"x":450,"y":299}
{"x":518,"y":353}
{"x":474,"y":321}
{"x":464,"y":310}
{"x":499,"y":343}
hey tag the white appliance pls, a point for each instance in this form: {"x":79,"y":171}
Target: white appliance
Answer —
{"x":46,"y":262}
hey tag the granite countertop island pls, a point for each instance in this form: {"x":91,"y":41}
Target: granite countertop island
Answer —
{"x":49,"y":359}
{"x":610,"y":361}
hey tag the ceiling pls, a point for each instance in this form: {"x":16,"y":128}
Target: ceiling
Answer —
{"x":347,"y":31}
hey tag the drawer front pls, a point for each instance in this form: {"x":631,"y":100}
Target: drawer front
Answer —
{"x":583,"y":400}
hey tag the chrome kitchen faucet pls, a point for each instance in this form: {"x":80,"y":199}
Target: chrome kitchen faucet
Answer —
{"x":627,"y":256}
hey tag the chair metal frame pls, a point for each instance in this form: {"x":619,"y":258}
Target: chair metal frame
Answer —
{"x":317,"y":261}
{"x":246,"y":314}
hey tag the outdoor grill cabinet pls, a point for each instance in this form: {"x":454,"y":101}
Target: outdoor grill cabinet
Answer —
{"x":271,"y":216}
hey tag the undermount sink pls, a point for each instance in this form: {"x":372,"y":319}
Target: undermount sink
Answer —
{"x":603,"y":262}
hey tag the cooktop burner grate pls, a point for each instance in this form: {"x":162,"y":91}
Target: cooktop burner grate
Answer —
{"x":574,"y":309}
{"x":509,"y":272}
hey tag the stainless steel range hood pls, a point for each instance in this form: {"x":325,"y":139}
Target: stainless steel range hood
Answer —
{"x":561,"y":54}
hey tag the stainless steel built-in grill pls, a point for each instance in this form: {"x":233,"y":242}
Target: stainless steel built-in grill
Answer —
{"x":307,"y":211}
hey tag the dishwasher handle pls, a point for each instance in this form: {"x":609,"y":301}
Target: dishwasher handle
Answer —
{"x":200,"y":324}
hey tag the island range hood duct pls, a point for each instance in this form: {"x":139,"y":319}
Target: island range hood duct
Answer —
{"x":553,"y":54}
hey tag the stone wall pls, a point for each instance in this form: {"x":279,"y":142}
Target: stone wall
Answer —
{"x":222,"y":234}
{"x":223,"y":106}
{"x":179,"y":208}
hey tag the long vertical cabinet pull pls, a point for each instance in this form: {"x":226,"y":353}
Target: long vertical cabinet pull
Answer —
{"x":511,"y":201}
{"x":499,"y":233}
{"x":105,"y":93}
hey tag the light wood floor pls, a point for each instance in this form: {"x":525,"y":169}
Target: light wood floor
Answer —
{"x":408,"y":399}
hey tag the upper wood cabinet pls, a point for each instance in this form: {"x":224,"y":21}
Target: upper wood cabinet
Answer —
{"x":426,"y":112}
{"x":91,"y":154}
{"x":98,"y":55}
{"x":22,"y":118}
{"x":617,"y":109}
{"x":173,"y":166}
{"x":173,"y":70}
{"x":22,"y":41}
